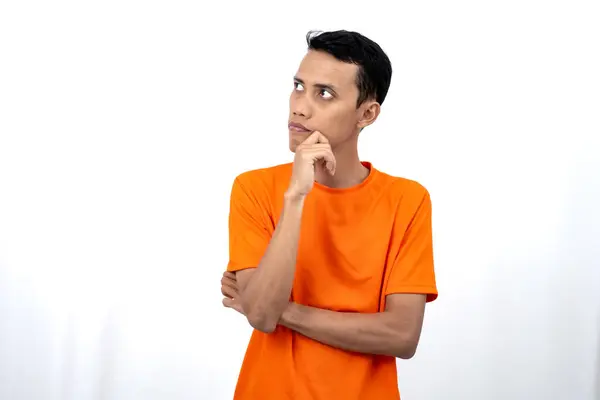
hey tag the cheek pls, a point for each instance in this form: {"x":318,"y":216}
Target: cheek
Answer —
{"x":339,"y":125}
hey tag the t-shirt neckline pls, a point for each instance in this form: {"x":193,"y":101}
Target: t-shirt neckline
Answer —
{"x":358,"y":186}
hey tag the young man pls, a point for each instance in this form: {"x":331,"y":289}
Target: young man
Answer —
{"x":331,"y":260}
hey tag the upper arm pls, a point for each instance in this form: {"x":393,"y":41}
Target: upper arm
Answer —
{"x":412,"y":270}
{"x":410,"y":282}
{"x":250,"y":229}
{"x":243,"y":276}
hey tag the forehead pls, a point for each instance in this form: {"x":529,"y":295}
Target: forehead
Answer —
{"x":318,"y":67}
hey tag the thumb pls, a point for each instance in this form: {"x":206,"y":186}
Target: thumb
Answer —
{"x":316,"y":137}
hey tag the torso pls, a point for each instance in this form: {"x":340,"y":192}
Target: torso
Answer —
{"x":343,"y":257}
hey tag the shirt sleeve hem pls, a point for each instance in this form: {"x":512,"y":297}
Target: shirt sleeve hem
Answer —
{"x":238,"y":267}
{"x":430,"y":291}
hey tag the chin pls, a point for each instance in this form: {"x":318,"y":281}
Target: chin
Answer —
{"x":294,"y":142}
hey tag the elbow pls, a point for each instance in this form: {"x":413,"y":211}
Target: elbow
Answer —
{"x":405,"y":353}
{"x":405,"y":348}
{"x":262,"y":315}
{"x":261,"y":323}
{"x":262,"y":320}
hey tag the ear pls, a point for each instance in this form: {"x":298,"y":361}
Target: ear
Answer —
{"x":368,"y":113}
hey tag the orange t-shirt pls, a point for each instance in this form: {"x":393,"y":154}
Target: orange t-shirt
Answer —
{"x":356,"y":246}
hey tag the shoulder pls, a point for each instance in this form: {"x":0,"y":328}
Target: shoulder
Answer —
{"x":263,"y":181}
{"x":405,"y":188}
{"x":264,"y":175}
{"x":406,"y":196}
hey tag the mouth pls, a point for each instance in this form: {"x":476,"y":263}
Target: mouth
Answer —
{"x":298,"y":128}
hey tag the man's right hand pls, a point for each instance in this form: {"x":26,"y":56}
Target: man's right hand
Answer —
{"x":264,"y":291}
{"x":315,"y":152}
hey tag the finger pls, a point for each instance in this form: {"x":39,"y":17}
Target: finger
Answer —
{"x":229,"y":278}
{"x":230,"y":275}
{"x":228,"y":281}
{"x":322,"y":139}
{"x":237,"y":307}
{"x":316,"y":152}
{"x":330,"y":162}
{"x":229,"y":303}
{"x":306,"y":147}
{"x":315,"y":137}
{"x":325,"y":155}
{"x":225,"y":291}
{"x":229,"y":291}
{"x":328,"y":166}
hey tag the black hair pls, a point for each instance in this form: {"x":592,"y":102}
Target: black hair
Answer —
{"x":374,"y":67}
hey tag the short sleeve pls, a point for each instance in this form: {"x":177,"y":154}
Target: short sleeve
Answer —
{"x":413,"y":267}
{"x":249,"y":228}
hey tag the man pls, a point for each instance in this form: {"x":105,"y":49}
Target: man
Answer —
{"x":331,"y":260}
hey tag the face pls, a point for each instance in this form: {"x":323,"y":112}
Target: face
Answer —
{"x":324,"y":99}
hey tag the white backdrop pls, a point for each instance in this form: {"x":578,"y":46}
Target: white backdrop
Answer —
{"x":123,"y":124}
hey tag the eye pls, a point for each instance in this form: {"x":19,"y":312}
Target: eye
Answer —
{"x":325,"y":94}
{"x":298,"y":86}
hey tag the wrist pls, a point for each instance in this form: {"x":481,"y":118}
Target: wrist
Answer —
{"x":289,"y":315}
{"x":292,"y":197}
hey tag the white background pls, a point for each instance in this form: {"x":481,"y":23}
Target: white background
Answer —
{"x":123,"y":124}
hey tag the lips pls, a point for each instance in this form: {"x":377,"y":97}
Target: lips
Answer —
{"x":297,"y":127}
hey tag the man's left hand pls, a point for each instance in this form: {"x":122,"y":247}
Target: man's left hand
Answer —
{"x":230,"y":290}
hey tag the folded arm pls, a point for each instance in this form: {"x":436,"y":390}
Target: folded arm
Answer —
{"x":393,"y":332}
{"x":265,"y":290}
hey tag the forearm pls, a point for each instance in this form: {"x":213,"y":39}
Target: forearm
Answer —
{"x":376,"y":333}
{"x":267,"y":293}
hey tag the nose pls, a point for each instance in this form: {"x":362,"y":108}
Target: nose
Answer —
{"x":299,"y":106}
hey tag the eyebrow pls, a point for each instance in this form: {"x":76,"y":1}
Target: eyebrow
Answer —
{"x":318,"y":85}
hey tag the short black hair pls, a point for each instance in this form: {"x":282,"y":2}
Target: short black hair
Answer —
{"x":374,"y":67}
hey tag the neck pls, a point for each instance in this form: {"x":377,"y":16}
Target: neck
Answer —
{"x":348,"y":171}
